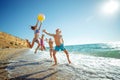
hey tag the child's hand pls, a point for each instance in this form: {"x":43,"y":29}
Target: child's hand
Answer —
{"x":44,"y":30}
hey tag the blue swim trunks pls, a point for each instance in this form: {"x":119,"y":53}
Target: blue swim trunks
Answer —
{"x":61,"y":47}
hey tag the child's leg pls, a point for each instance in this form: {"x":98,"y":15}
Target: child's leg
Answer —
{"x":67,"y":54}
{"x":51,"y":51}
{"x":33,"y":41}
{"x":41,"y":48}
{"x":54,"y":57}
{"x":37,"y":46}
{"x":44,"y":48}
{"x":29,"y":45}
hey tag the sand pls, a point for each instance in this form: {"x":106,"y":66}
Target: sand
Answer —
{"x":5,"y":56}
{"x":30,"y":66}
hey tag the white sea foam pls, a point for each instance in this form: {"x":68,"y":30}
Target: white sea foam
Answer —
{"x":83,"y":67}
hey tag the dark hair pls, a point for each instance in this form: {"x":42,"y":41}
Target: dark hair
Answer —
{"x":33,"y":27}
{"x":58,"y":30}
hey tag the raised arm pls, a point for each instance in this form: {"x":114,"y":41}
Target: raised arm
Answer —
{"x":36,"y":24}
{"x":40,"y":26}
{"x":48,"y":33}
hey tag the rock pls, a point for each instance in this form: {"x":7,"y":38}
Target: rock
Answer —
{"x":10,"y":41}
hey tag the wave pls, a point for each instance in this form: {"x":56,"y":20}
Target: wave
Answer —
{"x":111,"y":50}
{"x":102,"y":50}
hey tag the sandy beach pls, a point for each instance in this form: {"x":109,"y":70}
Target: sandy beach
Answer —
{"x":5,"y":56}
{"x":30,"y":66}
{"x":60,"y":40}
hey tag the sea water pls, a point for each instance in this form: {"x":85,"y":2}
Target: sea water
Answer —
{"x":89,"y":62}
{"x":102,"y":49}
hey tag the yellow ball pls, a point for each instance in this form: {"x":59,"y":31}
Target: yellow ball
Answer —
{"x":41,"y":17}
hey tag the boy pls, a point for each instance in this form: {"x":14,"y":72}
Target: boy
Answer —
{"x":50,"y":42}
{"x":59,"y":45}
{"x":36,"y":36}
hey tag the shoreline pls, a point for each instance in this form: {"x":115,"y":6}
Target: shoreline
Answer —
{"x":25,"y":65}
{"x":5,"y":56}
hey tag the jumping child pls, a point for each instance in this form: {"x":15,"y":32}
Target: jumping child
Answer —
{"x":42,"y":43}
{"x":36,"y":36}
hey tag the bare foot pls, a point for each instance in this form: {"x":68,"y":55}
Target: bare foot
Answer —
{"x":27,"y":40}
{"x":28,"y":43}
{"x":69,"y":62}
{"x":54,"y":64}
{"x":35,"y":52}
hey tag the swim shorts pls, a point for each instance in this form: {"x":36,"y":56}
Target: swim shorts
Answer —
{"x":61,"y":47}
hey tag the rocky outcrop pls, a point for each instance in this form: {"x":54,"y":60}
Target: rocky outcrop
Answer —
{"x":10,"y":41}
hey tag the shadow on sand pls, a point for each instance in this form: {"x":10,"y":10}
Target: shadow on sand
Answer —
{"x":26,"y":77}
{"x":25,"y":63}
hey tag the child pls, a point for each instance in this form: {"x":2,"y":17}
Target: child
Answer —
{"x":50,"y":42}
{"x":42,"y":43}
{"x":59,"y":45}
{"x":36,"y":36}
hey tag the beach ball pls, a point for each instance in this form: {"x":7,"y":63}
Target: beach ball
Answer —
{"x":41,"y":17}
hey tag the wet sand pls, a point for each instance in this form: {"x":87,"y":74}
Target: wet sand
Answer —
{"x":30,"y":66}
{"x":5,"y":56}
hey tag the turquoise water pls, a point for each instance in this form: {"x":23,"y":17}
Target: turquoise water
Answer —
{"x":102,"y":50}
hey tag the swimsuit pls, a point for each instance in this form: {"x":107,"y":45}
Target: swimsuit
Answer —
{"x":37,"y":31}
{"x":36,"y":40}
{"x":61,"y":47}
{"x":41,"y":42}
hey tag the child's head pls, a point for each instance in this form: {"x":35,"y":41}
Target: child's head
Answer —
{"x":50,"y":39}
{"x":43,"y":35}
{"x":33,"y":27}
{"x":58,"y":31}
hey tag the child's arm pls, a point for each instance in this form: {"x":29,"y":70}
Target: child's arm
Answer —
{"x":48,"y":33}
{"x":40,"y":26}
{"x":36,"y":24}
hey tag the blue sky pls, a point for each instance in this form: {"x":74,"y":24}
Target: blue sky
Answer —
{"x":81,"y":21}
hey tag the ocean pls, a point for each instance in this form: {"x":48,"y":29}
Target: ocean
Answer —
{"x":102,"y":49}
{"x":111,"y":50}
{"x":89,"y":62}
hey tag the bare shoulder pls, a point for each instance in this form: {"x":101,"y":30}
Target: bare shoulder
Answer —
{"x":60,"y":35}
{"x":54,"y":35}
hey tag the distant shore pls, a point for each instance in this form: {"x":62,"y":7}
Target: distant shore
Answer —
{"x":5,"y":56}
